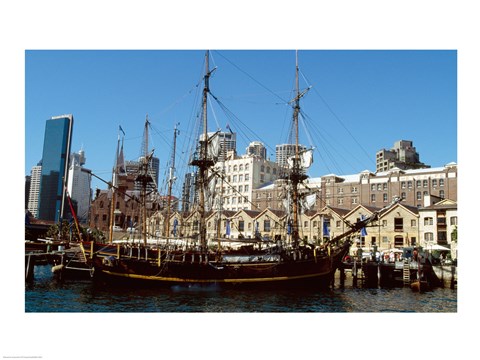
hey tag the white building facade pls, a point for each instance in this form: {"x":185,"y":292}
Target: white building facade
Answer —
{"x":36,"y":175}
{"x":241,"y":176}
{"x":79,"y":185}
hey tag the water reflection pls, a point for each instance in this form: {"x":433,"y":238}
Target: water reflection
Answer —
{"x":46,"y":294}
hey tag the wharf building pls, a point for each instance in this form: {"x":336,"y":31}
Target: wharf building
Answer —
{"x":54,"y":174}
{"x":369,"y":189}
{"x":400,"y":226}
{"x":127,"y":209}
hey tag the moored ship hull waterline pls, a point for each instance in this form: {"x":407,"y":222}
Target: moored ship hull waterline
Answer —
{"x":134,"y":265}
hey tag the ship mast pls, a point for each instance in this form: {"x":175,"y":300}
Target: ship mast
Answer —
{"x":296,"y":175}
{"x":144,"y":178}
{"x":202,"y":161}
{"x":171,"y":180}
{"x":114,"y":185}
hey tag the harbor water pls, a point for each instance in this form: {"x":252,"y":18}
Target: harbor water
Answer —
{"x":47,"y":294}
{"x":142,"y":322}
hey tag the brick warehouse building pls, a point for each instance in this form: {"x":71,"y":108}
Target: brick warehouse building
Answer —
{"x":369,"y":189}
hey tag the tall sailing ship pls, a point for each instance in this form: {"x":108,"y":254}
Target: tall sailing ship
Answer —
{"x":291,"y":260}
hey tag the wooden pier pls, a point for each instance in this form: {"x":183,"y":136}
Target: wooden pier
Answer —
{"x":375,"y":274}
{"x":71,"y":261}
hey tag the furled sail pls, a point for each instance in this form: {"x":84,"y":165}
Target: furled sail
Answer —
{"x":305,"y":158}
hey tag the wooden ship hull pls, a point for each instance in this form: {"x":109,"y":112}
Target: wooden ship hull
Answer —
{"x":302,"y":266}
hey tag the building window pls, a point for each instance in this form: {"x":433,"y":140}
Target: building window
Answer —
{"x":434,"y":182}
{"x":442,"y":237}
{"x":246,"y":188}
{"x":442,"y":182}
{"x":354,"y":190}
{"x":235,"y":168}
{"x":240,"y":168}
{"x":241,"y":225}
{"x":340,"y":190}
{"x":262,"y":168}
{"x":354,"y":200}
{"x":419,"y":195}
{"x":340,"y":201}
{"x":385,"y":186}
{"x":425,"y":183}
{"x":419,"y":183}
{"x":266,"y":225}
{"x":398,"y":224}
{"x":425,"y":193}
{"x":314,"y":224}
{"x":403,"y":195}
{"x":240,"y":178}
{"x":385,"y":197}
{"x":453,"y":220}
{"x":372,"y":197}
{"x":247,"y":177}
{"x":428,"y":236}
{"x":404,"y":184}
{"x":428,"y":221}
{"x":413,"y":223}
{"x":234,"y":178}
{"x":373,"y":187}
{"x":409,"y":184}
{"x":338,"y":223}
{"x":379,"y":187}
{"x":441,"y":193}
{"x":384,"y":223}
{"x":247,"y":166}
{"x":398,"y":241}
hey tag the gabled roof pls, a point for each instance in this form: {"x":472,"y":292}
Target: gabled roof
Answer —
{"x":250,"y":213}
{"x":277,"y":213}
{"x":443,"y":204}
{"x":224,"y":213}
{"x":370,"y":209}
{"x":339,"y":211}
{"x":412,"y":209}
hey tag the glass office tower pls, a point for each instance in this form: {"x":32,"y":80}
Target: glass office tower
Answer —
{"x":56,"y":151}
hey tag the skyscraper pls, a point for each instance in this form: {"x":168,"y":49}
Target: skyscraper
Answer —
{"x":78,"y":186}
{"x":35,"y":177}
{"x":284,"y":151}
{"x":258,"y":149}
{"x":56,"y":151}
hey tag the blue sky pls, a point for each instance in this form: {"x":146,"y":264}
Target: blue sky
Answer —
{"x":359,"y":103}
